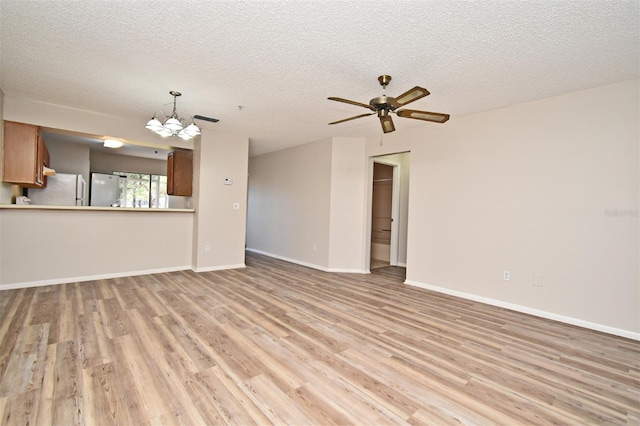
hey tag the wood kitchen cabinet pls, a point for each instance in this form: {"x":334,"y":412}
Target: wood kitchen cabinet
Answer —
{"x":24,"y":155}
{"x":180,"y":172}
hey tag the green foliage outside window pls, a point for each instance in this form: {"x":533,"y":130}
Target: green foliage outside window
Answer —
{"x":143,"y":190}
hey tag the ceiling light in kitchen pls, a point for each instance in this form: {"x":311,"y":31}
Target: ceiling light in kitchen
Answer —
{"x":173,"y":125}
{"x":112,"y":143}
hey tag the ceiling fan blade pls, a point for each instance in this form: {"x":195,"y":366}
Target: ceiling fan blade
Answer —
{"x":387,"y":124}
{"x":423,"y":115}
{"x":347,"y":101}
{"x":352,"y":118}
{"x":412,"y":95}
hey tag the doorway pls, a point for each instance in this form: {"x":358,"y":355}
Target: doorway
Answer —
{"x":388,"y":211}
{"x":381,"y":215}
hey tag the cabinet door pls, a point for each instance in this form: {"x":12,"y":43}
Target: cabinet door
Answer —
{"x":21,"y":158}
{"x":170,"y":178}
{"x":180,"y":173}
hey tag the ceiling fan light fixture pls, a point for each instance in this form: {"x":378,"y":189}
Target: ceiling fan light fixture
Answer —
{"x":173,"y":125}
{"x":386,"y":121}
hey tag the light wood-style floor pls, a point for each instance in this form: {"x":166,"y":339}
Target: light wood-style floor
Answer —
{"x":377,"y":263}
{"x":280,"y":343}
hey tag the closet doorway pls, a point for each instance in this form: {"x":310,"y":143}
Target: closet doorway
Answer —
{"x":382,"y":215}
{"x":388,"y":211}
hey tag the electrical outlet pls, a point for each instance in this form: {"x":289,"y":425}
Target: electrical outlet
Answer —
{"x":315,"y":247}
{"x":207,"y":248}
{"x":506,"y":275}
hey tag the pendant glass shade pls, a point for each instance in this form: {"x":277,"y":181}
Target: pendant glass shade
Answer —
{"x":173,"y":125}
{"x":192,"y":129}
{"x":154,"y":124}
{"x":184,"y":135}
{"x":164,"y":132}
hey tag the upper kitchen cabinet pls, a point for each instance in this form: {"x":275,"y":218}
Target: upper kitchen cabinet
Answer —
{"x":24,"y":155}
{"x":180,"y":172}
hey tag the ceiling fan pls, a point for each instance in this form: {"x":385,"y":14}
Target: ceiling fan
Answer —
{"x":383,"y":105}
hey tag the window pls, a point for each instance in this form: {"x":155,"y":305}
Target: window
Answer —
{"x":143,"y":190}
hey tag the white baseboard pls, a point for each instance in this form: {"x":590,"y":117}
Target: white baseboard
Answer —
{"x":219,"y":268}
{"x":309,"y":265}
{"x":348,"y":271}
{"x":526,"y":310}
{"x":286,"y":259}
{"x":90,"y":278}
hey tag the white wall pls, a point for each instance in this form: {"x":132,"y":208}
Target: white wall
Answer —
{"x":547,"y":188}
{"x":67,"y":157}
{"x":52,"y":246}
{"x":218,"y":224}
{"x":348,"y":192}
{"x":310,"y":196}
{"x":290,"y":202}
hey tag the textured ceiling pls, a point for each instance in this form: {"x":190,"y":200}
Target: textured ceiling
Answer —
{"x":280,"y":60}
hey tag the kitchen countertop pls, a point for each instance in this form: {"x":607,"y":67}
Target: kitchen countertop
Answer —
{"x":90,"y":208}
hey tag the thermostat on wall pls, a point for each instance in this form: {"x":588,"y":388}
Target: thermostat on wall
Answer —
{"x":228,"y":181}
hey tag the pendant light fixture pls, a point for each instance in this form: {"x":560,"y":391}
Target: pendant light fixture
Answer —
{"x":173,"y":125}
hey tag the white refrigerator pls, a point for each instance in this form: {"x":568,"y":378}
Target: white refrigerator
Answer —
{"x":62,"y":190}
{"x":105,"y":190}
